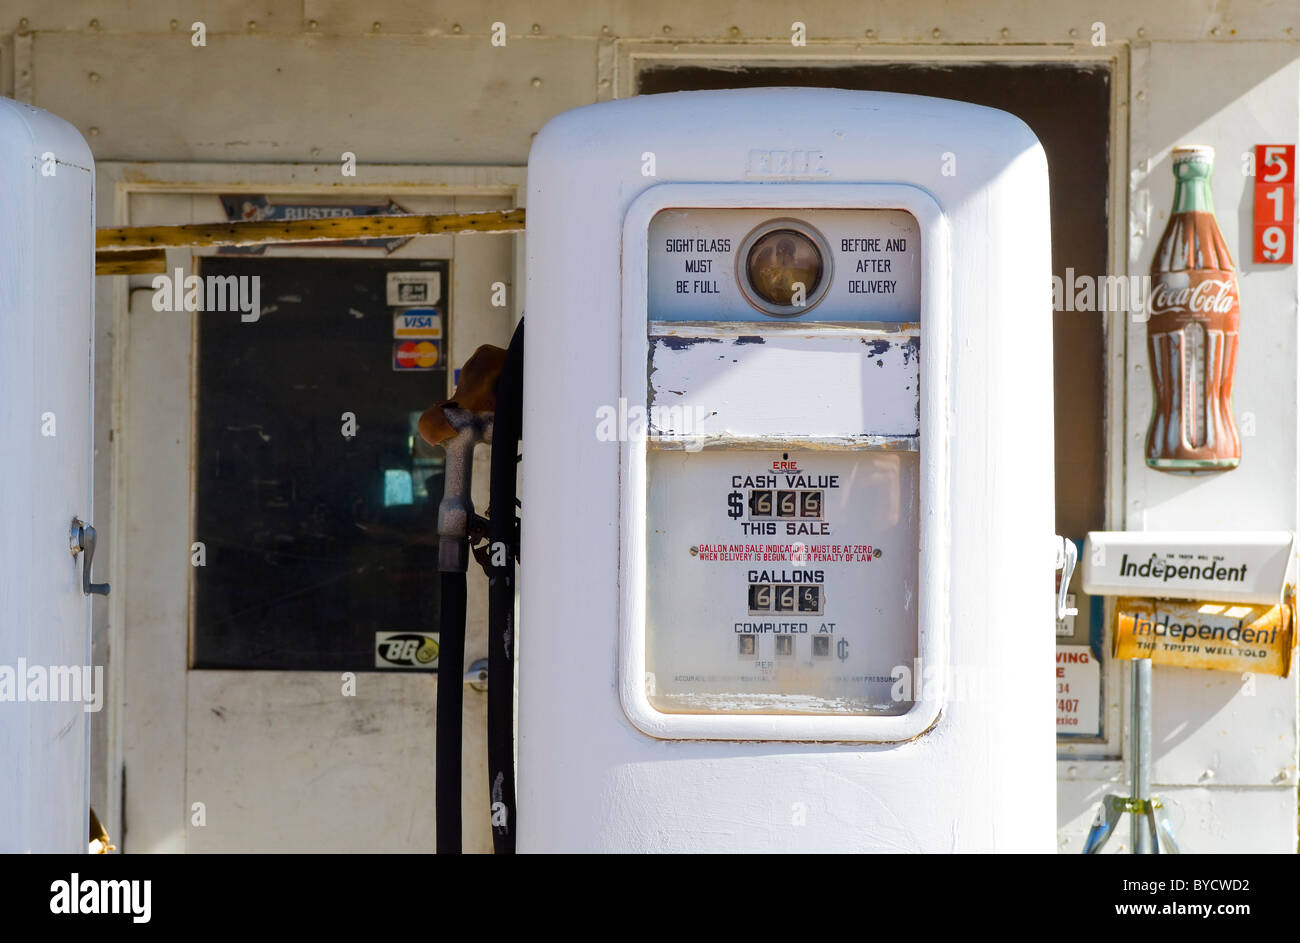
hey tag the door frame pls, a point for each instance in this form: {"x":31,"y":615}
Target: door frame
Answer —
{"x":144,"y":732}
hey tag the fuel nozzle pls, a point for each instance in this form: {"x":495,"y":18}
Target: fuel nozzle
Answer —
{"x":459,"y":424}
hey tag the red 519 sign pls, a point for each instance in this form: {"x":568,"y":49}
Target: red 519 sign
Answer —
{"x":1274,"y":203}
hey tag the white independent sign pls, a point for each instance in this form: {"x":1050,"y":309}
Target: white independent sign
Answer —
{"x":1232,"y":566}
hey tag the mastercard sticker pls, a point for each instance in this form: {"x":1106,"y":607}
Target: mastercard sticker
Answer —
{"x":417,"y":355}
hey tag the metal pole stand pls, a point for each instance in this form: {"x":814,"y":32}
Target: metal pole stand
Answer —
{"x":1143,"y":807}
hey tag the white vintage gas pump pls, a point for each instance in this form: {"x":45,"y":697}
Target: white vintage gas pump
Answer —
{"x":788,"y":492}
{"x":47,"y":264}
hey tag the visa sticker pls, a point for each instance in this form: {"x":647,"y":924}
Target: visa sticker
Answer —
{"x":423,"y":323}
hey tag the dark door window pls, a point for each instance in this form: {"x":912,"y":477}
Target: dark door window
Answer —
{"x":314,"y":540}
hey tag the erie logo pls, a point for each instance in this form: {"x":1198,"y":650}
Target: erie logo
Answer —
{"x":800,"y":162}
{"x":406,"y":650}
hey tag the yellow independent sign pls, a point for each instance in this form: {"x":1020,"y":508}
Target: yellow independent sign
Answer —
{"x":1224,"y":636}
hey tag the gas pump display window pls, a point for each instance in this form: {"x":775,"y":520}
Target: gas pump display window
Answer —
{"x":783,"y":463}
{"x":763,"y":265}
{"x":781,"y":614}
{"x":767,"y":503}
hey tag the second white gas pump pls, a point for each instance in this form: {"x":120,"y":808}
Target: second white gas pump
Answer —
{"x":787,"y":533}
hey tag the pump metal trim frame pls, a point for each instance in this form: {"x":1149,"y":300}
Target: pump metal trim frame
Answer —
{"x":932,"y":607}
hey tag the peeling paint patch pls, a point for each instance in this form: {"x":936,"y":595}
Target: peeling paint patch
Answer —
{"x":720,"y":384}
{"x":686,"y":343}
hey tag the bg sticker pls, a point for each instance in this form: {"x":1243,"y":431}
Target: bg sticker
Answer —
{"x":406,"y":650}
{"x":416,"y":355}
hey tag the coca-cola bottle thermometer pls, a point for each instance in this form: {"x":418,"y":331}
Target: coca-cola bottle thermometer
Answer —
{"x":1194,"y":314}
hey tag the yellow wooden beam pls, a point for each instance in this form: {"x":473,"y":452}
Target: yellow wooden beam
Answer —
{"x":268,"y":232}
{"x":131,"y":262}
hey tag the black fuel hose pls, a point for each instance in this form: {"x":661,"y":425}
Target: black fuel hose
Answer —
{"x":451,"y":694}
{"x":507,"y":428}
